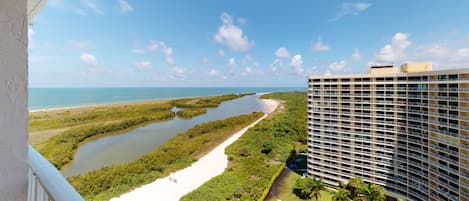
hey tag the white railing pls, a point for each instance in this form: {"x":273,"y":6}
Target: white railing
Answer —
{"x":45,"y":183}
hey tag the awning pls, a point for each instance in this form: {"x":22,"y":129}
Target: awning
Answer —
{"x":34,"y":6}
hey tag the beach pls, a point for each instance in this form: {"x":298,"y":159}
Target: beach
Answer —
{"x":186,"y":180}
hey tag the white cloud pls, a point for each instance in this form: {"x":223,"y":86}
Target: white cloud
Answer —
{"x":153,"y":45}
{"x":221,"y":53}
{"x":143,"y":65}
{"x":246,"y":59}
{"x":84,"y":45}
{"x":319,"y":46}
{"x":168,"y":52}
{"x":444,"y":55}
{"x":338,"y":66}
{"x":276,"y":66}
{"x":356,"y":56}
{"x":242,"y":20}
{"x":124,"y":6}
{"x":297,"y":64}
{"x":170,"y":61}
{"x":232,"y":62}
{"x":31,"y":34}
{"x":158,"y":46}
{"x":350,"y":9}
{"x":79,"y":11}
{"x":89,"y":59}
{"x":394,"y":52}
{"x":205,"y":60}
{"x":38,"y":59}
{"x":232,"y":36}
{"x":178,"y":72}
{"x":282,"y":53}
{"x":138,"y":51}
{"x":91,"y":4}
{"x":80,"y":7}
{"x":213,"y":72}
{"x":247,"y":70}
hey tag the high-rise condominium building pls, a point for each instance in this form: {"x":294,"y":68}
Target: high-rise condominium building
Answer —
{"x":407,"y":131}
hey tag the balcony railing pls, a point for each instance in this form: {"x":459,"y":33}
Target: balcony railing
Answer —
{"x":45,"y":183}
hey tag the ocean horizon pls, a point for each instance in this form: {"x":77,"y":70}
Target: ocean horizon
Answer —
{"x":50,"y":98}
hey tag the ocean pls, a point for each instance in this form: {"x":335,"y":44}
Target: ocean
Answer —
{"x":47,"y":98}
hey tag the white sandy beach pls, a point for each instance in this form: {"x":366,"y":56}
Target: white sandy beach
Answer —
{"x":181,"y":182}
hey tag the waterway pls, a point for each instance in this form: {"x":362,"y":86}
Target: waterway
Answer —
{"x":130,"y":146}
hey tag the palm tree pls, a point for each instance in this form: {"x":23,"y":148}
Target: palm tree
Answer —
{"x":355,"y":185}
{"x":316,"y":188}
{"x":341,"y":194}
{"x":373,"y":192}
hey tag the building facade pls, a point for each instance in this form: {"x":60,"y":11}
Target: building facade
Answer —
{"x":407,"y":131}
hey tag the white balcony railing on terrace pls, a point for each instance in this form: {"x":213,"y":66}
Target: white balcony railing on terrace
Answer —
{"x":45,"y":183}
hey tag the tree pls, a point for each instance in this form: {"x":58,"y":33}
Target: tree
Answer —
{"x":306,"y":188}
{"x":341,"y":194}
{"x":355,"y":185}
{"x":373,"y":192}
{"x":303,"y":187}
{"x":318,"y":186}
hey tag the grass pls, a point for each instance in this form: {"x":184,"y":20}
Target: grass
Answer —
{"x":256,"y":156}
{"x":285,"y":190}
{"x":179,"y":152}
{"x":191,"y":112}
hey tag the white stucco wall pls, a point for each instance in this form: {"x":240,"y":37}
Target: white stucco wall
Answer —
{"x":13,"y":100}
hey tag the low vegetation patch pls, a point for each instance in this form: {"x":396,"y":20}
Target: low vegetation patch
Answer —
{"x":179,"y":152}
{"x":205,"y":102}
{"x":259,"y":153}
{"x":190,"y":112}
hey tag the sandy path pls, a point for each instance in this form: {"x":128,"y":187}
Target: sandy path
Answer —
{"x":178,"y":184}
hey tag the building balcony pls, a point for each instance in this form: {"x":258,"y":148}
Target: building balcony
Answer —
{"x":45,"y":183}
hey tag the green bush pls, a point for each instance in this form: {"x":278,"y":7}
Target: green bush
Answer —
{"x":190,"y":112}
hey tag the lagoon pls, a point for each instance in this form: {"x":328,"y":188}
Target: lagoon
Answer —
{"x":131,"y":145}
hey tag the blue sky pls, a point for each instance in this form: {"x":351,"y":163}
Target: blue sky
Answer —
{"x":129,"y":43}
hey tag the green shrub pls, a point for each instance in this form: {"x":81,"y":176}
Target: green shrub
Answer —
{"x":190,"y":112}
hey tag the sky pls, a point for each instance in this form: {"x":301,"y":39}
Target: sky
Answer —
{"x":243,"y":43}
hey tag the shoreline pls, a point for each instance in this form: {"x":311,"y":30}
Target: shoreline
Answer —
{"x":117,"y":104}
{"x":184,"y":181}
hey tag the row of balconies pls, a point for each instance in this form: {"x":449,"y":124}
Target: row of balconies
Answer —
{"x":443,"y":193}
{"x":454,"y":134}
{"x":338,"y":145}
{"x":424,"y":78}
{"x":424,"y":97}
{"x":387,"y":135}
{"x":446,"y":159}
{"x":450,"y":187}
{"x":393,"y":89}
{"x":445,"y":176}
{"x":393,"y":104}
{"x":348,"y":151}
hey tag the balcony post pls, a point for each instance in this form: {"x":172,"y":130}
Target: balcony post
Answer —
{"x":13,"y":100}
